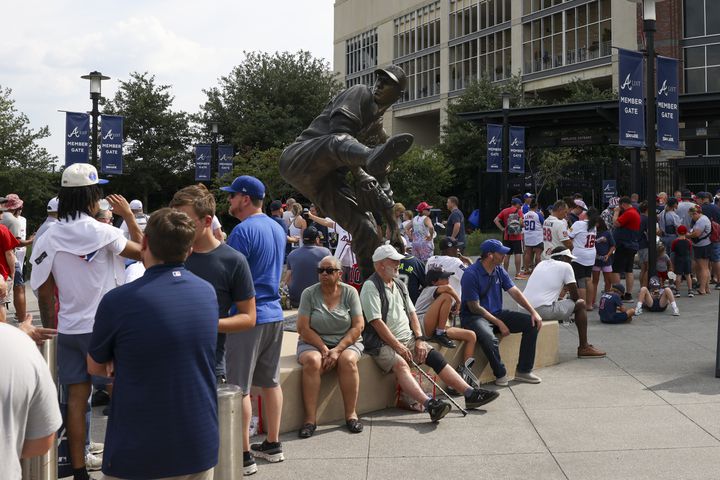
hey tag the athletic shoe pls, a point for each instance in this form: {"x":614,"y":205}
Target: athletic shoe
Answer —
{"x":272,"y":452}
{"x":95,"y":448}
{"x":676,"y":312}
{"x":691,"y":294}
{"x":528,"y":377}
{"x":502,"y":381}
{"x":627,"y":297}
{"x":638,"y":311}
{"x":100,"y":398}
{"x":438,"y":408}
{"x":443,"y":340}
{"x":480,"y":397}
{"x":589,"y":351}
{"x":93,"y":463}
{"x":717,"y":287}
{"x":249,"y":465}
{"x":467,"y":376}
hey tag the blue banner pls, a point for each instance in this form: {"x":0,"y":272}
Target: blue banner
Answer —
{"x":609,"y":190}
{"x":77,"y":138}
{"x":225,"y":159}
{"x":111,"y":140}
{"x":517,"y":149}
{"x":631,"y":102}
{"x":494,"y":148}
{"x":203,"y":162}
{"x":668,"y":123}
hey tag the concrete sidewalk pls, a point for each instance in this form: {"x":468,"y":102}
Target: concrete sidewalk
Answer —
{"x":650,"y":410}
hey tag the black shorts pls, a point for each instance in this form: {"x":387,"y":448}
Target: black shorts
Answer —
{"x":683,"y":266}
{"x":623,"y":260}
{"x":656,"y":306}
{"x":700,"y":253}
{"x":515,"y":246}
{"x":581,"y":271}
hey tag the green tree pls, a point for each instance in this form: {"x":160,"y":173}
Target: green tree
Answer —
{"x":158,"y":158}
{"x":420,"y":175}
{"x":267,"y":100}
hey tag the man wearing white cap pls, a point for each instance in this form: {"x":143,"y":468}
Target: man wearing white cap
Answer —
{"x":137,"y":208}
{"x":548,"y":279}
{"x":52,"y":209}
{"x":79,"y":256}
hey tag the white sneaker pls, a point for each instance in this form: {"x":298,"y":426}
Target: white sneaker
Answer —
{"x":528,"y":377}
{"x":638,"y":311}
{"x":676,"y":312}
{"x":95,"y":448}
{"x":93,"y":463}
{"x":502,"y":381}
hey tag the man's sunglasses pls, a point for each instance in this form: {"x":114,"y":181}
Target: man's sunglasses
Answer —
{"x":329,"y":271}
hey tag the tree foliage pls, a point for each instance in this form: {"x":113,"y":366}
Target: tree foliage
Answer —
{"x":267,"y":100}
{"x":422,"y":174}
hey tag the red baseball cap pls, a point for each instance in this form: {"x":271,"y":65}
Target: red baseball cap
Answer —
{"x":423,"y":206}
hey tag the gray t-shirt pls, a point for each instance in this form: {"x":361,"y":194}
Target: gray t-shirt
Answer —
{"x":397,"y":320}
{"x":703,"y":228}
{"x":303,"y":262}
{"x":11,"y":222}
{"x":682,"y":212}
{"x":330,"y":325}
{"x":666,"y":221}
{"x":30,"y":407}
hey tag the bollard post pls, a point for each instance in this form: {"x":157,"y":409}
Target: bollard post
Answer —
{"x":230,"y":455}
{"x":44,"y":467}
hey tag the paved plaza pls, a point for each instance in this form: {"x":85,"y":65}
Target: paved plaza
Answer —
{"x":650,"y":410}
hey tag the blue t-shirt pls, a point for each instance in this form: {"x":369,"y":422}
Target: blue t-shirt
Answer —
{"x":475,"y":281}
{"x":603,"y":242}
{"x":160,"y":333}
{"x":456,"y":216}
{"x":609,"y":303}
{"x":262,"y":241}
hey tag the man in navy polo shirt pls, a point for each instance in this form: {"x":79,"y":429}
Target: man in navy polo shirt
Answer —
{"x":482,"y":312}
{"x":253,"y":356}
{"x":157,"y":337}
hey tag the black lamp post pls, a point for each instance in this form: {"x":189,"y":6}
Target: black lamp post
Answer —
{"x":506,"y":148}
{"x":96,"y":79}
{"x":214,"y":149}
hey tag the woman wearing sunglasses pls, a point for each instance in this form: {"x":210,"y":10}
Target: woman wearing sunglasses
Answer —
{"x":330,"y":322}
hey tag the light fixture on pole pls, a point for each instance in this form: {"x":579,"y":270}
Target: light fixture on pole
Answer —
{"x":214,"y":124}
{"x":96,"y":79}
{"x":506,"y":148}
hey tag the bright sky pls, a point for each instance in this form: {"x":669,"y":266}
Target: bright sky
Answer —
{"x":187,"y":44}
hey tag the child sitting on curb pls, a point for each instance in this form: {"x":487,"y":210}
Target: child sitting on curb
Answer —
{"x":656,"y":298}
{"x":611,"y":307}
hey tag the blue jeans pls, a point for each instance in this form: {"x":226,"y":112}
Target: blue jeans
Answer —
{"x":517,"y":322}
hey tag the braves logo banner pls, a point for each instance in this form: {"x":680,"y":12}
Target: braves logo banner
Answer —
{"x":631,"y":102}
{"x":668,"y":123}
{"x":517,"y":149}
{"x":203,"y":162}
{"x":77,"y":138}
{"x":225,"y":160}
{"x":494,"y":148}
{"x":111,"y":140}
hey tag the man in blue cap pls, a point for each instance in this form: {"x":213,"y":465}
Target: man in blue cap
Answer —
{"x":253,"y":356}
{"x":482,"y":312}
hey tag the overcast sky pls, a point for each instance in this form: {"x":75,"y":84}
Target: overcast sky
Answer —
{"x":187,"y":44}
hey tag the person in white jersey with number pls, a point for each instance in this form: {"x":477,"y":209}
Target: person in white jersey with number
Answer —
{"x":533,"y":236}
{"x":555,"y":230}
{"x":583,"y":234}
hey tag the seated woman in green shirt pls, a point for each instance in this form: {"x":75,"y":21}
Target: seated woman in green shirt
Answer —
{"x":330,"y":322}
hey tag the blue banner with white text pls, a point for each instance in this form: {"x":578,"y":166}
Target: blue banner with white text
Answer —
{"x":225,"y":160}
{"x":668,"y":123}
{"x":203,"y":162}
{"x":631,"y":99}
{"x":517,"y":149}
{"x":111,"y":141}
{"x":494,"y":148}
{"x":77,"y":138}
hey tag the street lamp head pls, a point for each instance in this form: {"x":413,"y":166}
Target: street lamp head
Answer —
{"x":648,"y":8}
{"x":214,"y":126}
{"x":95,"y":79}
{"x":505,"y":100}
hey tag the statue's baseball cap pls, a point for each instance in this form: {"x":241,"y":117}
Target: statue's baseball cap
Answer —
{"x":247,"y":185}
{"x":81,"y":175}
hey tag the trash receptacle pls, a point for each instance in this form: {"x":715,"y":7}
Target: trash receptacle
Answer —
{"x":230,"y":456}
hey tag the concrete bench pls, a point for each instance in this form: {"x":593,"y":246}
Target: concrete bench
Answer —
{"x":377,"y":390}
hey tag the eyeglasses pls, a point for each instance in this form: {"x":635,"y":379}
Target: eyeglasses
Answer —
{"x":329,"y":271}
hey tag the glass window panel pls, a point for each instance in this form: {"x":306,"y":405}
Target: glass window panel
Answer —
{"x":507,"y":11}
{"x":483,"y":16}
{"x":557,"y":50}
{"x":695,"y":80}
{"x":713,"y":54}
{"x":557,"y":23}
{"x":526,"y":7}
{"x":714,"y":147}
{"x":605,"y":38}
{"x":570,"y":18}
{"x":695,"y":18}
{"x":582,"y":15}
{"x":712,"y":17}
{"x":592,"y":12}
{"x":713,"y":79}
{"x":694,"y":57}
{"x":604,"y":9}
{"x":491,"y":12}
{"x":594,"y":40}
{"x":570,"y":46}
{"x":695,"y":147}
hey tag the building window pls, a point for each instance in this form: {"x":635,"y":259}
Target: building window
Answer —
{"x":702,"y":17}
{"x":532,"y":6}
{"x":417,"y":31}
{"x":487,"y":56}
{"x":361,"y":58}
{"x":568,"y":37}
{"x":423,"y":75}
{"x":471,"y":16}
{"x":702,"y":68}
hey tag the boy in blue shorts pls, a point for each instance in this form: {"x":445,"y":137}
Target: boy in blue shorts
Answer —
{"x":611,"y":307}
{"x":656,"y":298}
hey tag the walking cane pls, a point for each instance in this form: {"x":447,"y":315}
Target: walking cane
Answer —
{"x":452,"y":400}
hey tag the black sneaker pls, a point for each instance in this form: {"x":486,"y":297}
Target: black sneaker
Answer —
{"x":272,"y":452}
{"x":627,"y":297}
{"x":100,"y":398}
{"x":480,"y":397}
{"x":442,"y":339}
{"x":438,"y":408}
{"x":467,"y":376}
{"x":249,"y":465}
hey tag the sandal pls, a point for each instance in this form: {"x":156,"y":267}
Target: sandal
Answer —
{"x":354,"y":425}
{"x":307,"y":430}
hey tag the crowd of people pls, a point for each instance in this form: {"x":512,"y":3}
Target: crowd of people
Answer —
{"x":168,"y":292}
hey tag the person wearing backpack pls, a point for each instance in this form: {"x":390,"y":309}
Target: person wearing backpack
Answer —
{"x":668,"y":222}
{"x":700,"y":236}
{"x":712,"y":211}
{"x":510,"y":222}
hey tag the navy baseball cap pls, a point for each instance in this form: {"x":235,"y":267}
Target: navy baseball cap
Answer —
{"x":246,"y":185}
{"x":492,"y":245}
{"x":448,"y":242}
{"x":516,"y":201}
{"x":435,"y":274}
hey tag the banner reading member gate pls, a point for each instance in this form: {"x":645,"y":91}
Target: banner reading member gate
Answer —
{"x":631,"y":102}
{"x":225,"y":159}
{"x":494,"y":148}
{"x":668,"y":123}
{"x":111,"y":139}
{"x":517,"y":149}
{"x":77,"y":138}
{"x":203,"y":163}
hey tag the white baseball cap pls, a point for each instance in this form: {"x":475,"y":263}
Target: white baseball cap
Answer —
{"x":136,"y":205}
{"x":53,"y":204}
{"x":564,"y":253}
{"x":386,"y":251}
{"x":81,"y":175}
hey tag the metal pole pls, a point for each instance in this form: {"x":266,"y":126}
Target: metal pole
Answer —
{"x":214,"y":156}
{"x":649,"y":27}
{"x":717,"y":351}
{"x":230,"y":455}
{"x":505,"y":158}
{"x":45,"y":466}
{"x":95,"y":114}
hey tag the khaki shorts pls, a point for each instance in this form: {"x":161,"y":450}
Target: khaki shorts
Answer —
{"x":206,"y":475}
{"x":302,"y":347}
{"x":559,"y":310}
{"x":387,"y":357}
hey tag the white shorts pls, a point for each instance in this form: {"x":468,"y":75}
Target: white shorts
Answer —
{"x":559,"y":310}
